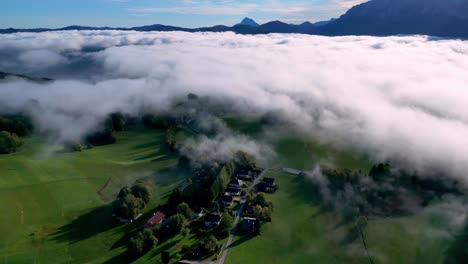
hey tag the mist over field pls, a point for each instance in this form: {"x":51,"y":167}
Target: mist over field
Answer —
{"x":399,"y":98}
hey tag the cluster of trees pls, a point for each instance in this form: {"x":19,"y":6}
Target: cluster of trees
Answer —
{"x":156,"y":122}
{"x":145,"y":240}
{"x":171,"y":227}
{"x":11,"y":129}
{"x":384,"y":189}
{"x":206,"y":247}
{"x":19,"y":125}
{"x":208,"y":182}
{"x":171,"y":138}
{"x":9,"y":142}
{"x":106,"y":136}
{"x":72,"y":146}
{"x":261,"y":207}
{"x":164,"y":123}
{"x":114,"y":123}
{"x":142,"y":242}
{"x":244,"y":161}
{"x":184,"y":209}
{"x":130,"y":201}
{"x":226,"y":225}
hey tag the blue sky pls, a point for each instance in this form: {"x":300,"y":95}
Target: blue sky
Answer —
{"x":187,"y":13}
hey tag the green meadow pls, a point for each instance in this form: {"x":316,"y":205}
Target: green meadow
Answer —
{"x":302,"y":232}
{"x":56,"y":206}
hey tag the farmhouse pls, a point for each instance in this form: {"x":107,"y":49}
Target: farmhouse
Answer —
{"x":244,"y":175}
{"x":156,"y":219}
{"x":235,"y":183}
{"x":248,"y":224}
{"x":227,"y":200}
{"x":263,"y":187}
{"x":270,"y":181}
{"x":213,"y":219}
{"x":231,"y":191}
{"x":267,"y":185}
{"x":292,"y":171}
{"x":197,"y":212}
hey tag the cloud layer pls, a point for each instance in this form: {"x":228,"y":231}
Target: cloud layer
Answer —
{"x":400,"y":98}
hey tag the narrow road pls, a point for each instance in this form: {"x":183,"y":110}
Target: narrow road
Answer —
{"x":238,"y":216}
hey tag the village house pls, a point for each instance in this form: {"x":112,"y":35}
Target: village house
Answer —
{"x":156,"y":219}
{"x":244,"y":175}
{"x":236,"y":183}
{"x":270,"y":181}
{"x":227,"y":200}
{"x":198,"y":212}
{"x":231,"y":191}
{"x":267,"y":185}
{"x":248,"y":224}
{"x":213,"y":219}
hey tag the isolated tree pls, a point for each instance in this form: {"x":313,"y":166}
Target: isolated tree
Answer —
{"x":210,"y":245}
{"x":136,"y":246}
{"x":171,"y":140}
{"x":185,"y":210}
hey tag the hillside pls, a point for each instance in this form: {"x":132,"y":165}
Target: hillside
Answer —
{"x":392,"y":17}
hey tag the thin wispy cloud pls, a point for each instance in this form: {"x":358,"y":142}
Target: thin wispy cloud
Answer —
{"x":288,"y":11}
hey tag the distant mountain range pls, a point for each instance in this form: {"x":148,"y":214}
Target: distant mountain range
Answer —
{"x":443,"y":18}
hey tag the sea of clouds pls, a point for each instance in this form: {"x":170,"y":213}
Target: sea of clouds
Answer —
{"x":395,"y":98}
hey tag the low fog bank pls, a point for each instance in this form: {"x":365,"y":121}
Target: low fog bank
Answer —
{"x":396,"y":98}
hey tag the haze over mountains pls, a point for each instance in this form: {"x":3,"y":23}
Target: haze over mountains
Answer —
{"x":448,"y":18}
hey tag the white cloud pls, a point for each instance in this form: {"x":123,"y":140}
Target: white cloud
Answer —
{"x":394,"y":98}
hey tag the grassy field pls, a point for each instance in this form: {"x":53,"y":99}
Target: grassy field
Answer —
{"x":305,"y":155}
{"x":299,"y":232}
{"x":303,"y":233}
{"x":55,"y":206}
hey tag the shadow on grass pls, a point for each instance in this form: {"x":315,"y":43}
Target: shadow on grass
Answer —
{"x":164,"y":247}
{"x":124,"y":257}
{"x":305,"y":191}
{"x":86,"y":225}
{"x":242,"y":239}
